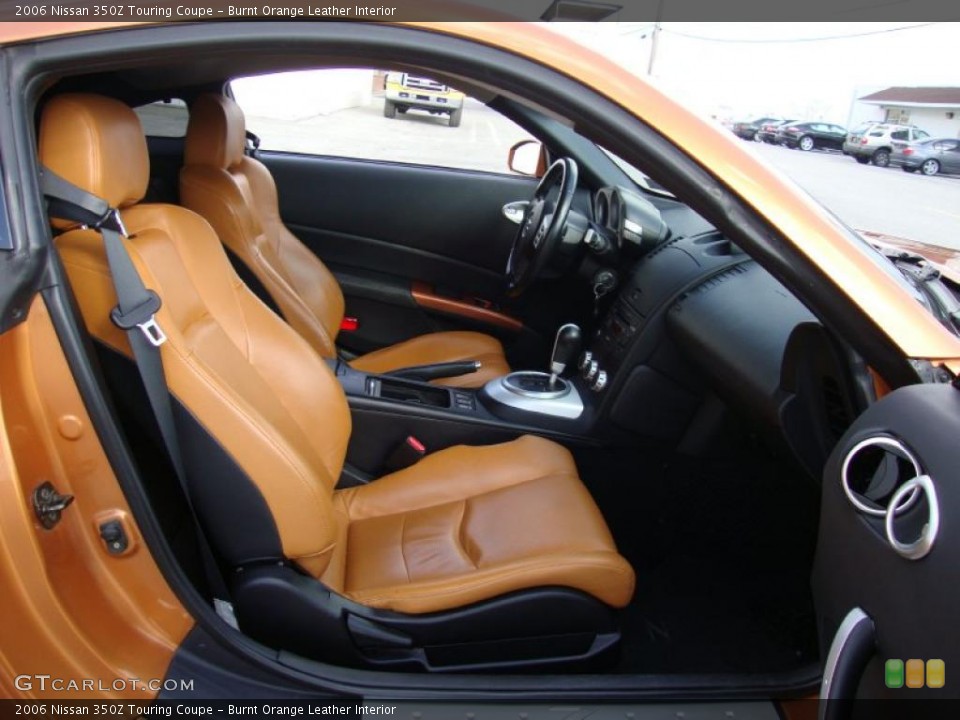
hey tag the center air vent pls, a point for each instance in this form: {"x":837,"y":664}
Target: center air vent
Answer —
{"x":874,"y":469}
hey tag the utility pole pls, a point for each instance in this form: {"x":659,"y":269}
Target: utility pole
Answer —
{"x":655,"y":39}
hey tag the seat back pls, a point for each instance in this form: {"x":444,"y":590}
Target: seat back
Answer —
{"x":238,"y":197}
{"x":263,"y":422}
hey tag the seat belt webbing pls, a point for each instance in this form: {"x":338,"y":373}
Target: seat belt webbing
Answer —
{"x":135,"y":313}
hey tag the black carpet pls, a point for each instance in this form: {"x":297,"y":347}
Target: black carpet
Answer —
{"x":722,"y":550}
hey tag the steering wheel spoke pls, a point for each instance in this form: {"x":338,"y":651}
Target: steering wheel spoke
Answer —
{"x":542,"y":225}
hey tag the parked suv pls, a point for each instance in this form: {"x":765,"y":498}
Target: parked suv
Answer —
{"x":875,"y":142}
{"x":405,"y":92}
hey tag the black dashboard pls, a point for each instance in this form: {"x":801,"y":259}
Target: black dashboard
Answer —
{"x":693,"y":316}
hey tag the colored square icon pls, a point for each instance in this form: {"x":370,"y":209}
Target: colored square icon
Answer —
{"x":893,"y":673}
{"x":915,"y":671}
{"x":936,"y":673}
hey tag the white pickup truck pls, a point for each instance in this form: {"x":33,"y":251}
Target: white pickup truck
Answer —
{"x":405,"y":92}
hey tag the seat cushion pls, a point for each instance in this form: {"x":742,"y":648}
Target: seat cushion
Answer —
{"x":467,"y":524}
{"x":439,"y":348}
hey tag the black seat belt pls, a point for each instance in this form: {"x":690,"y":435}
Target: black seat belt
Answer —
{"x":135,"y":313}
{"x":252,"y":145}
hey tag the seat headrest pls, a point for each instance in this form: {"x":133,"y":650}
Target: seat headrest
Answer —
{"x":97,"y":144}
{"x":216,"y":134}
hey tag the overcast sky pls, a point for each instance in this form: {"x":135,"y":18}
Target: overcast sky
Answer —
{"x":749,"y":69}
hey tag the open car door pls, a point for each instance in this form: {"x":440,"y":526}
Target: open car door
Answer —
{"x":886,"y":577}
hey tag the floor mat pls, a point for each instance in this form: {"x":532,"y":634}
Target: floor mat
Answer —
{"x":722,"y":552}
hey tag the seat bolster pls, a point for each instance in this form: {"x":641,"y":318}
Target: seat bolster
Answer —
{"x":438,"y":348}
{"x":457,"y":473}
{"x":240,"y":203}
{"x":605,"y":575}
{"x":311,"y":280}
{"x":235,"y":366}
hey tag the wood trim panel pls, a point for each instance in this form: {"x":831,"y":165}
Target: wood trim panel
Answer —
{"x":426,"y":298}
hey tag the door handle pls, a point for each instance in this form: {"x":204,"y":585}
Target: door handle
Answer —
{"x":516,"y":211}
{"x":850,"y":651}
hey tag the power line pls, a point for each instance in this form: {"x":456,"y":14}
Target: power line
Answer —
{"x":796,"y":40}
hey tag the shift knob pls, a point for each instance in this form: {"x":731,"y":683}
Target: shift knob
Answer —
{"x":565,"y":349}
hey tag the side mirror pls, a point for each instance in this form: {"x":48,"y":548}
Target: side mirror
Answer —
{"x":528,"y":157}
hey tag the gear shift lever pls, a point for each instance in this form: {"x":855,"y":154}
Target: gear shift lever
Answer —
{"x":565,"y":349}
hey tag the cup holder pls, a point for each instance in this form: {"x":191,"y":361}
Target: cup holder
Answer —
{"x":873,"y":472}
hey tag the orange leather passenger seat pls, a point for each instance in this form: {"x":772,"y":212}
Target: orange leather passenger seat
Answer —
{"x":238,"y":197}
{"x":264,"y":426}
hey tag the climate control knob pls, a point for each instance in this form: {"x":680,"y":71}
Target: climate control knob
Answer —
{"x":591,"y":371}
{"x":601,"y":381}
{"x":585,"y":358}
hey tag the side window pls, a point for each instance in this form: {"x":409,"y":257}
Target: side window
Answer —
{"x":900,"y":135}
{"x":164,"y":118}
{"x":920,"y":134}
{"x":375,"y":114}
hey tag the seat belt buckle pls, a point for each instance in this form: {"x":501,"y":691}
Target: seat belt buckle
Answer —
{"x":154,"y":334}
{"x":407,"y":453}
{"x":143,"y":317}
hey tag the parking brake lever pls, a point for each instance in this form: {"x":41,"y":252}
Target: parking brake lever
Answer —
{"x":435,"y":371}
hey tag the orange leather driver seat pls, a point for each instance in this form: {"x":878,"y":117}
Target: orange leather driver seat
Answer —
{"x":468,"y":545}
{"x":238,"y":197}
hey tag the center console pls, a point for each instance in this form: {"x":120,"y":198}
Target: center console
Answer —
{"x":534,"y":392}
{"x":610,"y":346}
{"x":386,"y":410}
{"x":389,"y":410}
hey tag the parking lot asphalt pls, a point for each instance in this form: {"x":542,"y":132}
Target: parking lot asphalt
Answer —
{"x":887,"y":200}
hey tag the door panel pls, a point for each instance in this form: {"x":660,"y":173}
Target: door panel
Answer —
{"x":912,"y":603}
{"x":442,"y":226}
{"x":387,"y":228}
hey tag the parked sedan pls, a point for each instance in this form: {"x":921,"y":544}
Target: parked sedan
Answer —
{"x":768,"y":131}
{"x":930,"y":157}
{"x":748,"y":129}
{"x":811,"y":136}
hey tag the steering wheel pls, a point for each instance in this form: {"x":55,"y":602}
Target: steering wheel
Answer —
{"x":539,"y":233}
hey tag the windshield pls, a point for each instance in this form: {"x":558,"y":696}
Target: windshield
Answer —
{"x":929,"y":294}
{"x":636,"y":175}
{"x":704,"y":67}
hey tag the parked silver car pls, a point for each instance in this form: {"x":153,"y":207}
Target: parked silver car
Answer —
{"x":874,"y":144}
{"x":930,"y":157}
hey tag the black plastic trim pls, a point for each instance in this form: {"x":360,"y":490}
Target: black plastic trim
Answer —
{"x":524,"y":630}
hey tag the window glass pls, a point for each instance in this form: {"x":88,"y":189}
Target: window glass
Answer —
{"x":375,"y":115}
{"x":920,"y":134}
{"x":900,"y":135}
{"x":164,"y":118}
